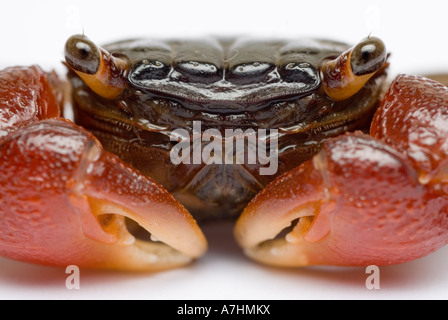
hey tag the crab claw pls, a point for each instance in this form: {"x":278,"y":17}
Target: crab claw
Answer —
{"x":362,"y":200}
{"x":64,"y":201}
{"x":358,"y":202}
{"x":27,"y":95}
{"x":413,"y":119}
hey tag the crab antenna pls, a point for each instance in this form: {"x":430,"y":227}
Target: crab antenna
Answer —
{"x":102,"y":72}
{"x":347,"y":74}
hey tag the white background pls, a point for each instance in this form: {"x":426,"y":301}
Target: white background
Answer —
{"x":34,"y":32}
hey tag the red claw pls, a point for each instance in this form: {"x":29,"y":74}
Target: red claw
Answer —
{"x":414,"y":120}
{"x":63,"y":199}
{"x":362,"y":200}
{"x":27,"y":94}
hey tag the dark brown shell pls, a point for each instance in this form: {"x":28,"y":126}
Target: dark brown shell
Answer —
{"x":217,"y":73}
{"x":225,"y":84}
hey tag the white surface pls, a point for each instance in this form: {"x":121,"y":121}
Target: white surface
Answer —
{"x":414,"y":31}
{"x":224,"y":273}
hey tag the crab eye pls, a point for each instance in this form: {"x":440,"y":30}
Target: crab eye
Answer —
{"x":368,"y":56}
{"x":347,"y":74}
{"x":82,"y":54}
{"x":104,"y":73}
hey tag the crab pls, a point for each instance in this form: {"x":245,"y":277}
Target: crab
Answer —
{"x":361,"y":176}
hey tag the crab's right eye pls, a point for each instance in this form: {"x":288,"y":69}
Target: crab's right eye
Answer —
{"x":82,"y":54}
{"x":102,"y":72}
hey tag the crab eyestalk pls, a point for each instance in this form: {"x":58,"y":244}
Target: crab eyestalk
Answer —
{"x":104,"y":73}
{"x":348,"y":73}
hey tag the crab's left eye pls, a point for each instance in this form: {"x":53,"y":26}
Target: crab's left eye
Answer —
{"x":368,"y":56}
{"x":82,"y":54}
{"x":348,"y":73}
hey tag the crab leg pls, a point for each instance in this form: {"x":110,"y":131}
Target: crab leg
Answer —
{"x":64,"y":201}
{"x":362,"y":200}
